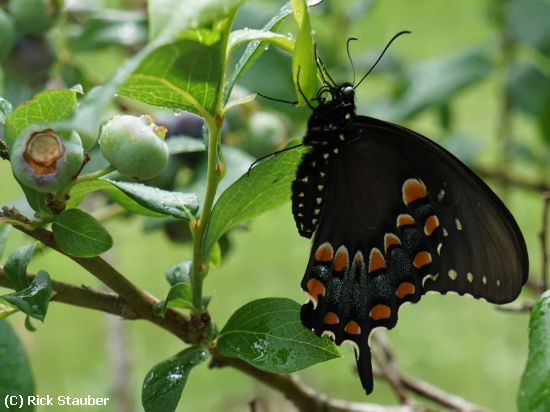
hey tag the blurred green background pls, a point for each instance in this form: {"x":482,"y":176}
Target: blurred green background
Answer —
{"x":464,"y":346}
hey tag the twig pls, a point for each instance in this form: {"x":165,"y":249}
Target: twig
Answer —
{"x":389,"y":366}
{"x":544,"y":242}
{"x":503,"y":177}
{"x":438,"y":395}
{"x":140,"y":301}
{"x":83,"y":297}
{"x":302,"y":396}
{"x":419,"y":387}
{"x":524,"y":306}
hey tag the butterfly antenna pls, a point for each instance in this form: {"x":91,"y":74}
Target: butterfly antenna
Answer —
{"x":324,"y":71}
{"x":269,"y":156}
{"x":301,"y":91}
{"x":277,"y":100}
{"x":349,"y":57}
{"x":381,"y":55}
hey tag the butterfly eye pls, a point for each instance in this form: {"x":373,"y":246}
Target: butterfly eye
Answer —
{"x":348,"y":93}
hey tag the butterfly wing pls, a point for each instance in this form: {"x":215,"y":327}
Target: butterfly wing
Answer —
{"x":402,"y":216}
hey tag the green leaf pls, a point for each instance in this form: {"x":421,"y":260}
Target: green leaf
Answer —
{"x":80,"y":190}
{"x":179,"y":296}
{"x":16,"y":266}
{"x":15,"y":372}
{"x":528,"y":89}
{"x":167,"y":18}
{"x":215,"y":259}
{"x":34,"y":299}
{"x":184,"y":144}
{"x":435,"y":82}
{"x":246,"y":35}
{"x":28,"y":324}
{"x":79,"y":234}
{"x":256,"y":48}
{"x":5,"y":109}
{"x":304,"y":68}
{"x":4,"y":233}
{"x":527,"y":21}
{"x":108,"y":27}
{"x":164,"y":383}
{"x":45,"y":107}
{"x":180,"y":272}
{"x":534,"y":392}
{"x":6,"y":309}
{"x":267,"y":186}
{"x":171,"y":76}
{"x":36,"y":200}
{"x":180,"y":205}
{"x":268,"y":334}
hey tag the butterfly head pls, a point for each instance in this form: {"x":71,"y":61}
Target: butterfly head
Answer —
{"x":336,"y":104}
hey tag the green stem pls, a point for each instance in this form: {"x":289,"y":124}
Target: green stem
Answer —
{"x":199,"y":226}
{"x":94,"y":175}
{"x":62,"y":193}
{"x":15,"y":222}
{"x":214,"y":174}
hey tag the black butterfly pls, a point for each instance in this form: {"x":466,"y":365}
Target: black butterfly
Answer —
{"x":393,"y":215}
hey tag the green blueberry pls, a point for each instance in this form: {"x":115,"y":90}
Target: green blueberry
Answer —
{"x":30,"y":59}
{"x":7,"y":35}
{"x":45,"y":159}
{"x":266,"y":132}
{"x":134,"y":146}
{"x":34,"y":17}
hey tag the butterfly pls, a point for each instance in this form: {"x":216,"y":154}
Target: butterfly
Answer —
{"x":393,"y":215}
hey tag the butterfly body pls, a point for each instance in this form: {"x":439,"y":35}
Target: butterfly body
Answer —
{"x":393,"y":215}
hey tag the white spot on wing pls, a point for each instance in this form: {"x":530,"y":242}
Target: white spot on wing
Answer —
{"x":452,"y":274}
{"x":470,"y":277}
{"x":458,"y":224}
{"x":354,"y":346}
{"x":330,"y":334}
{"x":484,"y":280}
{"x":432,"y":277}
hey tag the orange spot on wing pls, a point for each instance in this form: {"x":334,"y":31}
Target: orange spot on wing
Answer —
{"x":331,"y":318}
{"x":390,"y":240}
{"x":376,"y":260}
{"x":405,"y":289}
{"x":324,"y":252}
{"x":413,"y":189}
{"x":422,"y":259}
{"x":341,"y":259}
{"x":404,"y":220}
{"x":315,"y":288}
{"x":352,"y":328}
{"x":380,"y":312}
{"x":431,"y":224}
